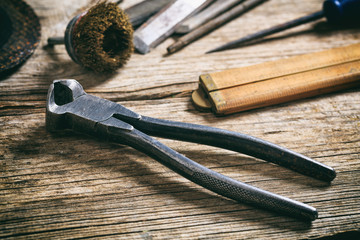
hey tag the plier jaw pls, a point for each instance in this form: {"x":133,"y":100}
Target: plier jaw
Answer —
{"x":60,"y":92}
{"x":70,"y":107}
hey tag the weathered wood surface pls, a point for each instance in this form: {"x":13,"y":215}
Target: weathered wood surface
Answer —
{"x":70,"y":186}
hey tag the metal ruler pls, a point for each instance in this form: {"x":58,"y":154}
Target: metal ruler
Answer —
{"x":280,"y":81}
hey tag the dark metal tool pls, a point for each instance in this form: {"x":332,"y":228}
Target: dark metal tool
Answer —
{"x":165,"y":22}
{"x":142,"y":11}
{"x":212,"y":11}
{"x":337,"y":12}
{"x":70,"y":107}
{"x":213,"y":24}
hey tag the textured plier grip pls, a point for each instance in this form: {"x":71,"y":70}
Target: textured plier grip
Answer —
{"x":209,"y":179}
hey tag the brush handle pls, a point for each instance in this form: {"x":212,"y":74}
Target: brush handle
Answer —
{"x":56,"y":41}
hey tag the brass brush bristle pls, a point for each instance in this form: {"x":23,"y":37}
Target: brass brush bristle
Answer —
{"x":100,"y":39}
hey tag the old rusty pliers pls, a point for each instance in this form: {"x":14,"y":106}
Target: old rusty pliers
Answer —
{"x":70,"y":107}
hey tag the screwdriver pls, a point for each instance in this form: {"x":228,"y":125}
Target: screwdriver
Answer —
{"x":337,"y":12}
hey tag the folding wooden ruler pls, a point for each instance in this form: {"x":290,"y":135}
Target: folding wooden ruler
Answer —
{"x":280,"y":81}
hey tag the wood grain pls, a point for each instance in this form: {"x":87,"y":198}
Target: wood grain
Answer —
{"x":66,"y":185}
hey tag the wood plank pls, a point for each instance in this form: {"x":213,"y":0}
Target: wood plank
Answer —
{"x":67,"y":185}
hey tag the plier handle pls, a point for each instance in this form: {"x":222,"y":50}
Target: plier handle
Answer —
{"x":70,"y":107}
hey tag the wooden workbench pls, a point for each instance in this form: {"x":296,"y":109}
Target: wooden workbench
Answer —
{"x":66,"y":185}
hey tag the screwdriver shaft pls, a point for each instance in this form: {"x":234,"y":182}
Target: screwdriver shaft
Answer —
{"x":269,"y":31}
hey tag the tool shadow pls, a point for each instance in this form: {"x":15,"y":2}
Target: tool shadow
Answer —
{"x":64,"y":68}
{"x":125,"y":161}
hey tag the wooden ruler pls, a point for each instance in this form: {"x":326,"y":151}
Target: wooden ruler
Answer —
{"x":279,"y":81}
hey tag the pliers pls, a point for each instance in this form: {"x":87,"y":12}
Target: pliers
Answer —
{"x":70,"y":107}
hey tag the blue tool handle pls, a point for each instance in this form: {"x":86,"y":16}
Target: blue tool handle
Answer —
{"x":210,"y":179}
{"x":234,"y":141}
{"x":342,"y":11}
